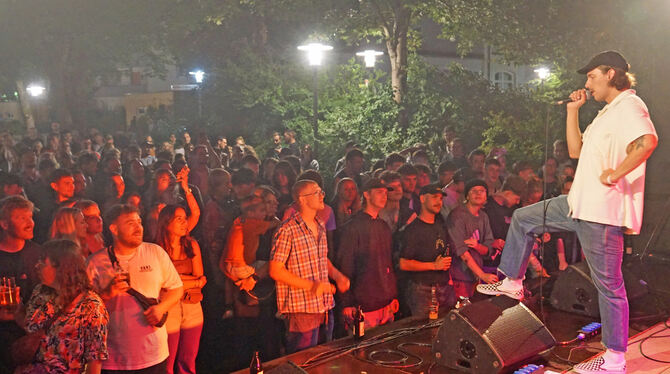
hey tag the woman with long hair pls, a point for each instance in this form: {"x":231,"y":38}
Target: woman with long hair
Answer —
{"x":347,"y":201}
{"x":69,"y":223}
{"x":283,"y":179}
{"x":72,"y":317}
{"x":184,"y":323}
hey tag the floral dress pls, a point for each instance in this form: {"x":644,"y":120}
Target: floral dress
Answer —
{"x":77,"y":335}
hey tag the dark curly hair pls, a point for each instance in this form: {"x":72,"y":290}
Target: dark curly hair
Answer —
{"x":65,"y":256}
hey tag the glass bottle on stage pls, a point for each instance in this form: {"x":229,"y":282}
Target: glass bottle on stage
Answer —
{"x":359,"y":323}
{"x":256,"y":367}
{"x":434,"y":305}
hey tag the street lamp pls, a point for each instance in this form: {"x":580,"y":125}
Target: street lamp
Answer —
{"x":315,"y":56}
{"x":543,"y":73}
{"x":315,"y":52}
{"x":370,"y":57}
{"x":35,"y":90}
{"x":198,"y":75}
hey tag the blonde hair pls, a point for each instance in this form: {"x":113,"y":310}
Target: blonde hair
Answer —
{"x":63,"y":225}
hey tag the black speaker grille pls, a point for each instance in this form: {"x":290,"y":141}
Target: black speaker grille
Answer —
{"x":512,"y":330}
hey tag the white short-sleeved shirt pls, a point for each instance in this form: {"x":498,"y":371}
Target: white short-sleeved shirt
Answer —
{"x":605,"y":140}
{"x":132,"y":343}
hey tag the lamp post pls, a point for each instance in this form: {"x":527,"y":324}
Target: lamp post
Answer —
{"x":369,"y":57}
{"x":543,"y":73}
{"x":198,"y":75}
{"x":315,"y":56}
{"x":35,"y":90}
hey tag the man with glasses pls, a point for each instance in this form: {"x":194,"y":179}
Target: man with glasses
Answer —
{"x":301,"y":268}
{"x":93,"y":217}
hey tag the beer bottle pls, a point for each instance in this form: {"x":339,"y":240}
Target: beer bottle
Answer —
{"x":256,"y":367}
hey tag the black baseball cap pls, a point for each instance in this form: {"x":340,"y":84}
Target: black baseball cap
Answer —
{"x":472,"y":183}
{"x":431,"y":189}
{"x":607,"y":58}
{"x":375,"y":183}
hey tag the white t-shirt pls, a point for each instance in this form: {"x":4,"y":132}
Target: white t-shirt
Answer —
{"x":605,"y":140}
{"x":132,"y":343}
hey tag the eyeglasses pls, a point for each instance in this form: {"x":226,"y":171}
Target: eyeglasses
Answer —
{"x":317,"y":192}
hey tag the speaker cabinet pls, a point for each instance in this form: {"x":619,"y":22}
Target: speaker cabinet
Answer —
{"x":574,"y":290}
{"x":490,"y":336}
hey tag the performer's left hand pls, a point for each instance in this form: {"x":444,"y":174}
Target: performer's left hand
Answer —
{"x":605,"y":174}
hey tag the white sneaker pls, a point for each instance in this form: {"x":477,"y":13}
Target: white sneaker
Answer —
{"x":499,"y":288}
{"x":597,"y":366}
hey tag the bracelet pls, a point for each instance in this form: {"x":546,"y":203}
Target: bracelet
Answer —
{"x":609,"y":179}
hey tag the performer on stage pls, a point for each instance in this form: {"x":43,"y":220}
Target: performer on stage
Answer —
{"x":606,"y":199}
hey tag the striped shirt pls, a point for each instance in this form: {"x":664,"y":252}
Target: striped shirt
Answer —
{"x":305,"y":256}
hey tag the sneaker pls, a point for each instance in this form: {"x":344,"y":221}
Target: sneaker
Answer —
{"x":595,"y":366}
{"x":498,"y":289}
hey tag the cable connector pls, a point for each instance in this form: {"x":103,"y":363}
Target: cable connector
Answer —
{"x":527,"y":369}
{"x":590,"y":330}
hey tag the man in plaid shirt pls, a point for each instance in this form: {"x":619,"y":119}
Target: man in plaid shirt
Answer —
{"x":300,"y":265}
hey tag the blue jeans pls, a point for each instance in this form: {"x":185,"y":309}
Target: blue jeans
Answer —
{"x":602,"y":246}
{"x":297,"y":341}
{"x":417,"y":297}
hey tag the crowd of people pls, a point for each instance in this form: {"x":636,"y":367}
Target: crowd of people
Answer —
{"x":124,"y":248}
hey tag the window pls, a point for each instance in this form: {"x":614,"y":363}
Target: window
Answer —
{"x":503,"y":80}
{"x":135,"y":78}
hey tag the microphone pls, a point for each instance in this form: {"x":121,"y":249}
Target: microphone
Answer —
{"x":569,"y":100}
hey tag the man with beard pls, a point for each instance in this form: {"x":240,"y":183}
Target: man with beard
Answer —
{"x":133,"y":341}
{"x":18,"y":257}
{"x":424,"y":255}
{"x":61,"y":194}
{"x":606,"y":200}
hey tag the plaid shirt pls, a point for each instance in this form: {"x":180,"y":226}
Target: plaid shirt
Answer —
{"x":306,"y":257}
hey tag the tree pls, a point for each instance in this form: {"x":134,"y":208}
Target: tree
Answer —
{"x":75,"y":44}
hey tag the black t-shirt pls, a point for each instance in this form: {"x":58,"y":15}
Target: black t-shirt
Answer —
{"x":421,"y":241}
{"x":500,"y":217}
{"x":21,"y":266}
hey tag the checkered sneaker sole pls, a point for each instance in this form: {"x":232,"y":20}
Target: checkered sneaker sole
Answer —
{"x":595,"y":366}
{"x":495,"y":289}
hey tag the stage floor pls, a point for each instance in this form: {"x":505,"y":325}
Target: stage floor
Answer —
{"x":647,"y":329}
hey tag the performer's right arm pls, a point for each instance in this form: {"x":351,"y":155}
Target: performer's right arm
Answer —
{"x":572,"y":132}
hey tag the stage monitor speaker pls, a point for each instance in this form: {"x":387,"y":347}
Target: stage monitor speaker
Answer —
{"x":490,"y":336}
{"x":574,"y":290}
